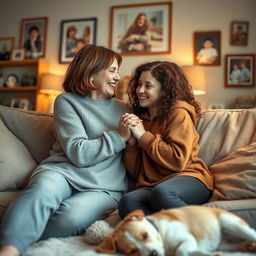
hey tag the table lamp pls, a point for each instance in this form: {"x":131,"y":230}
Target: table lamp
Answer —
{"x":196,"y":78}
{"x":51,"y":85}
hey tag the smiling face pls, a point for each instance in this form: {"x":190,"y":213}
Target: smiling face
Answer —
{"x":208,"y":44}
{"x":141,"y":20}
{"x":105,"y":82}
{"x":149,"y":92}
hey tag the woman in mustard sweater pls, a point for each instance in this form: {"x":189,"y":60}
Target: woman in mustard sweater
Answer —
{"x":162,"y":152}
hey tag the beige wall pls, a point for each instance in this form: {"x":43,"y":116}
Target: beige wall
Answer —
{"x":188,"y":16}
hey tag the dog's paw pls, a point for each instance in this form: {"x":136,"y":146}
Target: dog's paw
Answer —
{"x":96,"y":233}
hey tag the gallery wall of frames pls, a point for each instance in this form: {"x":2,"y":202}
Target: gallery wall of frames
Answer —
{"x":135,"y":30}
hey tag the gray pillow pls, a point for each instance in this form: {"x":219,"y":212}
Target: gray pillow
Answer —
{"x":16,"y":163}
{"x":34,"y":129}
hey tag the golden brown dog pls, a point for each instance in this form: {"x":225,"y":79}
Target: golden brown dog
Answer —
{"x":185,"y":231}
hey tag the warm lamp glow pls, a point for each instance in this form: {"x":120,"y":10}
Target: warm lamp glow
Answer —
{"x":196,"y":78}
{"x":51,"y":85}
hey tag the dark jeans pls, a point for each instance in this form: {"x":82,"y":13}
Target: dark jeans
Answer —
{"x":175,"y":192}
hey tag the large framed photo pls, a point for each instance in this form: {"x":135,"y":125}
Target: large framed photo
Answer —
{"x":207,"y":48}
{"x":33,"y":33}
{"x":239,"y":32}
{"x":141,"y":29}
{"x":74,"y":35}
{"x":6,"y":47}
{"x":240,"y":70}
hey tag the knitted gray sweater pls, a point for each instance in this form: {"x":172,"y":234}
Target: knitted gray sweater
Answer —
{"x":88,"y":149}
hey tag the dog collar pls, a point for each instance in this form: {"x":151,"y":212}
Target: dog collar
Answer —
{"x":152,"y":223}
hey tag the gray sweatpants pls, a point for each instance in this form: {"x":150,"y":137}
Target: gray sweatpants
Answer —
{"x":50,"y":207}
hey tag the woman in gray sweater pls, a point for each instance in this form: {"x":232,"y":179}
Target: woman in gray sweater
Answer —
{"x":84,"y":176}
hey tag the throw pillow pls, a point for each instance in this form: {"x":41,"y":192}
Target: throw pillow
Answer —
{"x":34,"y":129}
{"x":16,"y":163}
{"x":235,"y":175}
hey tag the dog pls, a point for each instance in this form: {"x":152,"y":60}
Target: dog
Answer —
{"x":184,"y":231}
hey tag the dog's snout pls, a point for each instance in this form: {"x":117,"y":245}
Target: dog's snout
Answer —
{"x":153,"y":253}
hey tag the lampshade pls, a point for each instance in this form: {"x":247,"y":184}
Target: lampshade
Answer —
{"x":51,"y":83}
{"x":196,"y":78}
{"x":51,"y":86}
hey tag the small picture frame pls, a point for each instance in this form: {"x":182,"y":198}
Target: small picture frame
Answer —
{"x":141,"y":29}
{"x":18,"y":54}
{"x":239,"y":33}
{"x":74,"y":35}
{"x":33,"y":33}
{"x":240,"y":70}
{"x":6,"y":47}
{"x":20,"y":102}
{"x":207,"y":48}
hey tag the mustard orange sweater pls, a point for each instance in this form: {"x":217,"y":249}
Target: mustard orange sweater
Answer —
{"x":167,"y":149}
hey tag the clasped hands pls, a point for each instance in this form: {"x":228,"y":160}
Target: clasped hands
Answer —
{"x":130,"y":128}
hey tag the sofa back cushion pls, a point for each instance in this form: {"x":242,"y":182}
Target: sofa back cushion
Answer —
{"x":16,"y":163}
{"x":223,"y":131}
{"x":235,"y":175}
{"x":34,"y":129}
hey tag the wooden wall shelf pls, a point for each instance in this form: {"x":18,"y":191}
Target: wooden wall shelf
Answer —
{"x":29,"y":67}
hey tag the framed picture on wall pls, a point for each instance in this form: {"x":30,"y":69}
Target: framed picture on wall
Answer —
{"x":6,"y":47}
{"x":33,"y":37}
{"x":207,"y":48}
{"x":239,"y":32}
{"x":74,"y":35}
{"x":140,"y":29}
{"x":240,"y":70}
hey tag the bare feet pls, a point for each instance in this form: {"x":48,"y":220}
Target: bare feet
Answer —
{"x":9,"y":250}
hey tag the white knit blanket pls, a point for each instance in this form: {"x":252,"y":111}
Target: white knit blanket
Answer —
{"x":69,"y":246}
{"x":75,"y":246}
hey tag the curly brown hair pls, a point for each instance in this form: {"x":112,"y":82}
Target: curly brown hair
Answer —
{"x":173,"y":82}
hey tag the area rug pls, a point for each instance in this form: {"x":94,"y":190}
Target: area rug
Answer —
{"x":75,"y":246}
{"x":69,"y":246}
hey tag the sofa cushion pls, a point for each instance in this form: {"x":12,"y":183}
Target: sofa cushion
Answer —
{"x":16,"y":163}
{"x":34,"y":129}
{"x":235,"y":175}
{"x":245,"y":208}
{"x":223,"y":131}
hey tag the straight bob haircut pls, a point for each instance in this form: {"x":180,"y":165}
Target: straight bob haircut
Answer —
{"x":90,"y":60}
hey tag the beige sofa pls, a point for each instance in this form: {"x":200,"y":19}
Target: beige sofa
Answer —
{"x":227,"y":145}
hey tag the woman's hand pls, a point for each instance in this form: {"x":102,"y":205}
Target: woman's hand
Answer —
{"x":124,"y":132}
{"x":138,"y":130}
{"x":134,"y":123}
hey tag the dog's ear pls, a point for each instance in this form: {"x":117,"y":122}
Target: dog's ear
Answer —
{"x":108,"y":245}
{"x":135,"y":215}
